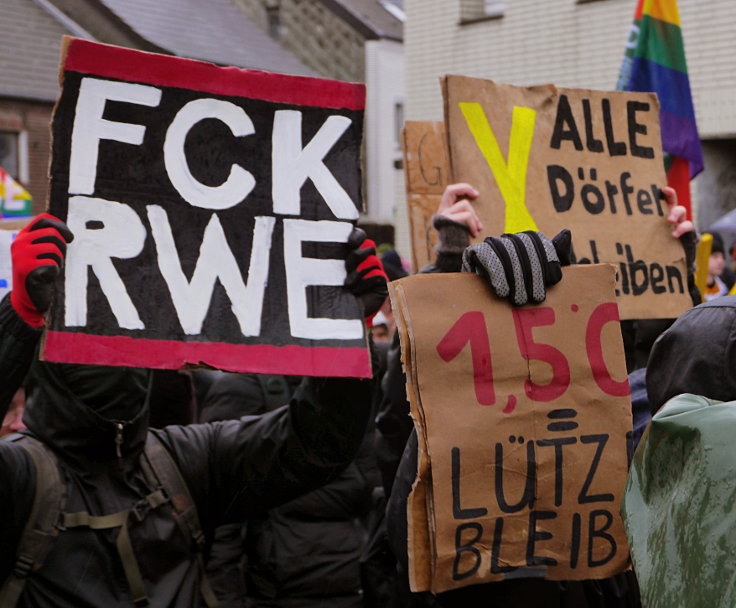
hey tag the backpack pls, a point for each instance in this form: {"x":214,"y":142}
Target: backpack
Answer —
{"x":48,"y":518}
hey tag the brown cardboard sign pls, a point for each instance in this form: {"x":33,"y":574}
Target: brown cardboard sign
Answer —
{"x":421,"y":208}
{"x":426,"y":171}
{"x":547,"y":158}
{"x":524,"y":413}
{"x":418,"y":535}
{"x":425,"y":155}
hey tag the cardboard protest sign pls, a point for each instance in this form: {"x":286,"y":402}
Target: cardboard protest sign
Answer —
{"x":210,"y":208}
{"x":426,"y":171}
{"x":524,"y":416}
{"x":418,"y":536}
{"x":547,"y":158}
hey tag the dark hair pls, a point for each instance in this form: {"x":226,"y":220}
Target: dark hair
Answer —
{"x":717,"y":246}
{"x":392,"y":265}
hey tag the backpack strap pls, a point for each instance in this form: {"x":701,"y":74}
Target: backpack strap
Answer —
{"x":42,"y":527}
{"x":82,"y":519}
{"x":47,"y":518}
{"x":159,"y":464}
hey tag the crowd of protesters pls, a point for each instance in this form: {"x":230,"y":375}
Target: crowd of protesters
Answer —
{"x":274,"y":490}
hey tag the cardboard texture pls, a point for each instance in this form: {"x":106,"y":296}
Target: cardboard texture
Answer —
{"x":522,"y":417}
{"x":426,"y":173}
{"x":418,"y":536}
{"x":210,"y":207}
{"x":547,"y":158}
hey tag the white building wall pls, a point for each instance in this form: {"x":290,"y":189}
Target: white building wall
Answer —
{"x":575,"y":44}
{"x":568,"y":43}
{"x":385,"y":90}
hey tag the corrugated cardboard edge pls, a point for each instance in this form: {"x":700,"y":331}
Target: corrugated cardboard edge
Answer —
{"x":418,"y":536}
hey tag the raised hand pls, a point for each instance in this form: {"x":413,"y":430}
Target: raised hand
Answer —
{"x":38,"y":254}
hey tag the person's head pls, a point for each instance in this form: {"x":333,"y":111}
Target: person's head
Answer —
{"x":93,"y":413}
{"x":114,"y":393}
{"x":392,"y":265}
{"x":696,"y":355}
{"x":733,"y":250}
{"x":717,"y":261}
{"x":380,"y":329}
{"x":13,"y":421}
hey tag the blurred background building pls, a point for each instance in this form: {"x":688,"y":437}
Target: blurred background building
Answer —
{"x":399,"y":48}
{"x":577,"y":43}
{"x":359,"y":41}
{"x":356,"y":40}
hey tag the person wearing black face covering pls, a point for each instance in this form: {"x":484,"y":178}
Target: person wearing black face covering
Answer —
{"x":94,"y":421}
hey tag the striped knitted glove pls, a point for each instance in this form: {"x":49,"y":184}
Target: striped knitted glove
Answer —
{"x":519,"y":267}
{"x":365,"y":275}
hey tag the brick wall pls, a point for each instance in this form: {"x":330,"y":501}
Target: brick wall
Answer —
{"x":313,"y":33}
{"x":34,"y":118}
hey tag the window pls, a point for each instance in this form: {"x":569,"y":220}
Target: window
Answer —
{"x":479,"y":10}
{"x":493,"y":8}
{"x":398,"y":122}
{"x":273,"y":19}
{"x":9,"y":158}
{"x":398,"y":126}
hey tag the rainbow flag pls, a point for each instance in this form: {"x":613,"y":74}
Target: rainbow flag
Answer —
{"x":655,"y":61}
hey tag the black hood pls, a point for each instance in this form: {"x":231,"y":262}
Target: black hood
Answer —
{"x":696,"y":355}
{"x":78,"y":410}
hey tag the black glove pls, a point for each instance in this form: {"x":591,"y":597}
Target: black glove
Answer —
{"x":519,"y":267}
{"x":689,"y":242}
{"x":366,"y":278}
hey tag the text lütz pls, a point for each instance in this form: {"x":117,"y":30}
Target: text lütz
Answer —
{"x":585,"y":522}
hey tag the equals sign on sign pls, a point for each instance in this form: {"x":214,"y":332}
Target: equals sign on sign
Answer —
{"x":559,"y":422}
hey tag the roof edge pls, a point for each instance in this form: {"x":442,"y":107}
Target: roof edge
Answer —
{"x":128,"y":35}
{"x":360,"y":24}
{"x":64,"y":19}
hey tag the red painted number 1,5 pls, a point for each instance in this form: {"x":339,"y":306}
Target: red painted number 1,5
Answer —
{"x":471,"y":329}
{"x":525,"y":320}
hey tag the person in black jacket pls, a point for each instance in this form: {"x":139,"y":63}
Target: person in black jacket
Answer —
{"x":95,"y":421}
{"x":456,"y":221}
{"x":696,"y":355}
{"x":304,"y":553}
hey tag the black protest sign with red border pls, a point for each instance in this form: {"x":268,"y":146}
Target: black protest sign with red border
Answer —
{"x":211,"y":207}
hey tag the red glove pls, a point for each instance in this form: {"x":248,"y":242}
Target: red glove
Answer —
{"x":38,"y":254}
{"x":366,"y":277}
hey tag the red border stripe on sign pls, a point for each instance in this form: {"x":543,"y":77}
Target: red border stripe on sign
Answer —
{"x":170,"y":354}
{"x":138,"y":66}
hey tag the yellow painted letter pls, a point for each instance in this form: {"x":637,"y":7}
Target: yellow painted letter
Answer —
{"x":511,"y":176}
